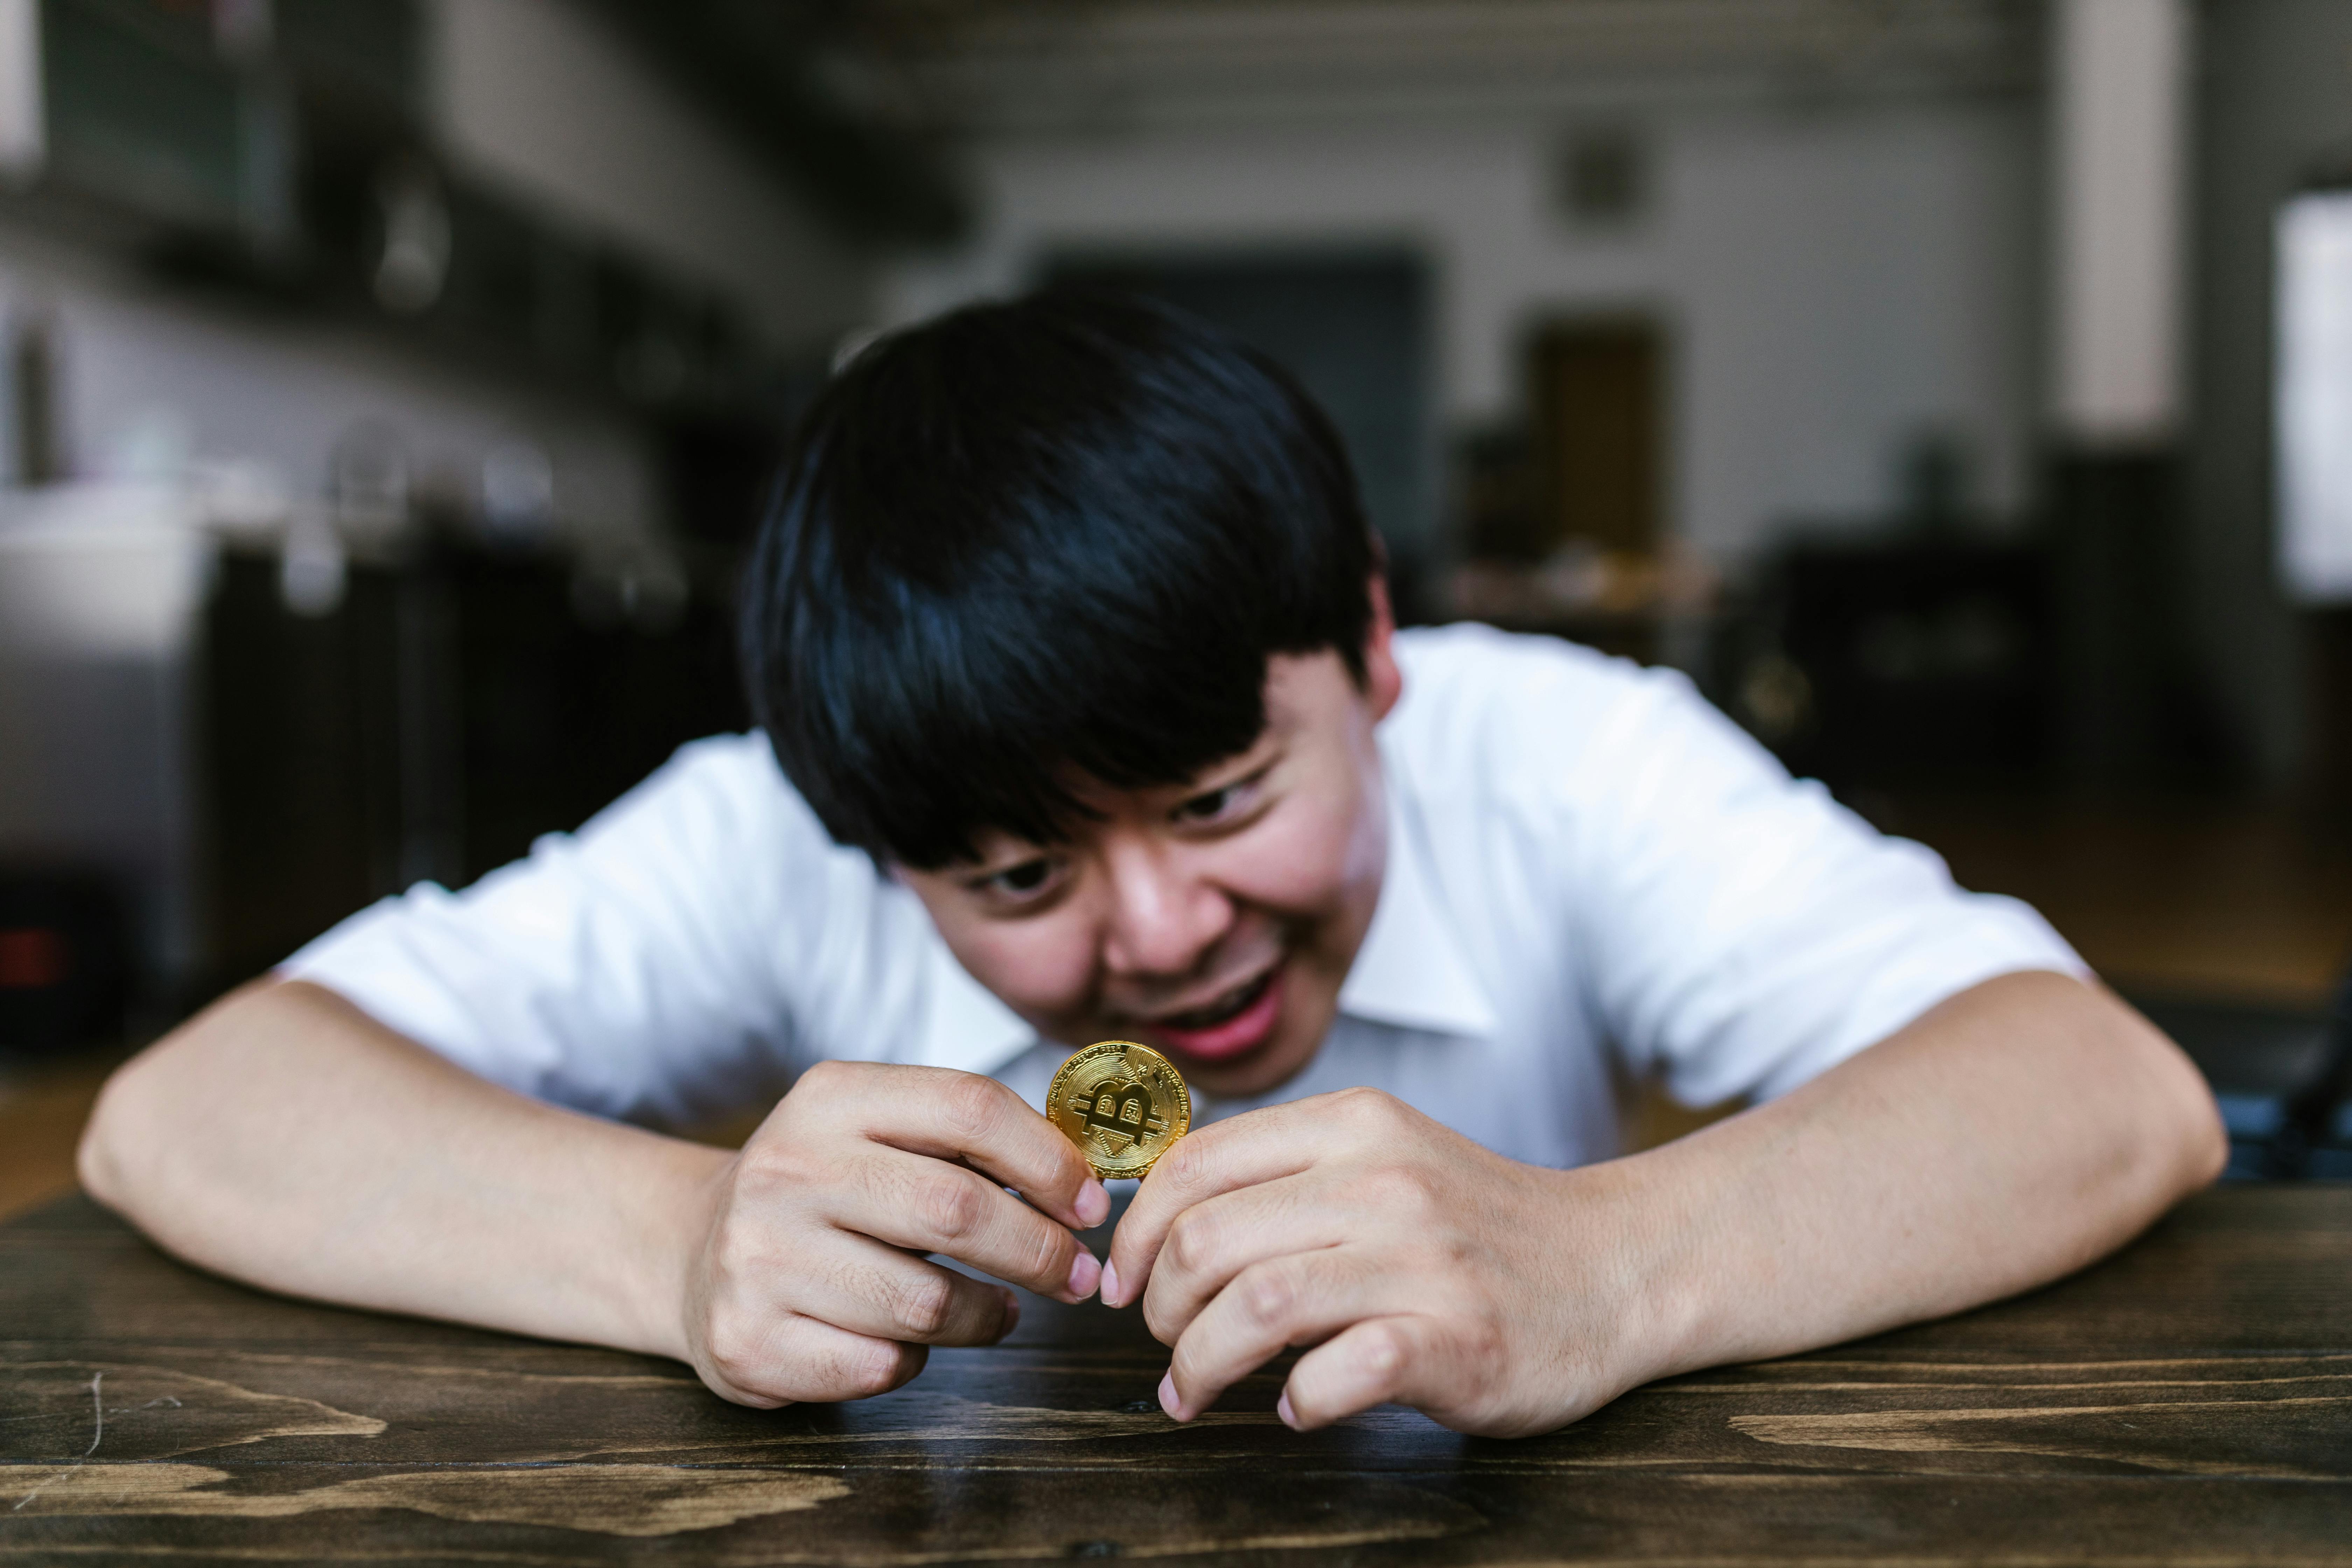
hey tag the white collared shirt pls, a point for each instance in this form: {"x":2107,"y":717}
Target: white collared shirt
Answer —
{"x":1593,"y":877}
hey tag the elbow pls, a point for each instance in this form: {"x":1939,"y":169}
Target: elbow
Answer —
{"x":2173,"y":1142}
{"x":2185,"y":1140}
{"x":2205,"y":1146}
{"x":138,"y":1131}
{"x":105,"y":1160}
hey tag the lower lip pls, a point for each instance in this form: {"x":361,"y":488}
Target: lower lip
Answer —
{"x":1237,"y":1036}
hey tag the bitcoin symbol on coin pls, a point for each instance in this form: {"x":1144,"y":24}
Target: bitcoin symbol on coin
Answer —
{"x":1122,"y":1104}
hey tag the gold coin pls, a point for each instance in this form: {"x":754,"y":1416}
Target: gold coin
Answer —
{"x":1122,"y":1104}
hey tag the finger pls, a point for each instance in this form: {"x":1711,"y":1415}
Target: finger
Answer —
{"x":1297,"y":1300}
{"x":954,"y":1115}
{"x":869,"y":1289}
{"x":1404,"y":1358}
{"x":790,"y":1359}
{"x":1213,"y":1241}
{"x":1257,"y":1146}
{"x":928,"y":1205}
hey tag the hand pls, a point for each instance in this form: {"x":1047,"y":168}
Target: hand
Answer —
{"x":1426,"y":1270}
{"x":810,"y":1283}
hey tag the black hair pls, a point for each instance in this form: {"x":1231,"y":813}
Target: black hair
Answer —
{"x":1061,"y":533}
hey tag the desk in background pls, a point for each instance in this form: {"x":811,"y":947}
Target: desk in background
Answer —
{"x":2188,"y":1401}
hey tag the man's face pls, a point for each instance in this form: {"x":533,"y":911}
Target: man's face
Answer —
{"x":1214,"y":920}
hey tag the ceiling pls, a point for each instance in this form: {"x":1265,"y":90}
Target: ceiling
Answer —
{"x":860,"y":101}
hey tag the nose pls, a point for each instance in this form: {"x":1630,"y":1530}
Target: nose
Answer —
{"x":1165,"y":916}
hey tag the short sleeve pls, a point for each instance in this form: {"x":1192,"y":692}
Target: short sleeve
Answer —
{"x":1745,"y":932}
{"x":637,"y":969}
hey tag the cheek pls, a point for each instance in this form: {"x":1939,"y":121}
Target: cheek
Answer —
{"x":1040,"y":967}
{"x":1305,"y":861}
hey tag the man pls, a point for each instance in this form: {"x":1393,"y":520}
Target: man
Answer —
{"x":1084,"y":718}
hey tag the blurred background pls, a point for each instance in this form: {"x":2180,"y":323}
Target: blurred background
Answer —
{"x":1960,"y":391}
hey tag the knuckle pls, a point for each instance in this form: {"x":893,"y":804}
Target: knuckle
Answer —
{"x":1184,"y":1162}
{"x":951,"y":1206}
{"x":1400,"y":1189}
{"x":971,"y":1106}
{"x":1192,"y":1242}
{"x":1043,"y":1259}
{"x":775,"y":1166}
{"x":729,"y":1245}
{"x":1160,"y":1317}
{"x":1370,"y":1110}
{"x":1382,"y":1350}
{"x":824,"y":1077}
{"x":922,"y":1306}
{"x":1269,"y":1295}
{"x":871,"y":1368}
{"x":737,"y":1358}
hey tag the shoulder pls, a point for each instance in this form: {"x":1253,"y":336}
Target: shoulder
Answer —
{"x":1504,"y":714}
{"x":736,"y":770}
{"x":725,"y":789}
{"x":717,"y":836}
{"x":1479,"y":662}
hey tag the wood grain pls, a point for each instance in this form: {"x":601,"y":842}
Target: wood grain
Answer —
{"x":2188,"y":1401}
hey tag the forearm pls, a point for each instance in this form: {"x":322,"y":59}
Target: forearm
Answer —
{"x":2010,"y":1136}
{"x":285,"y":1138}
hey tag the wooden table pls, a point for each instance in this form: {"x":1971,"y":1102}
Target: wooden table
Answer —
{"x":2190,"y":1401}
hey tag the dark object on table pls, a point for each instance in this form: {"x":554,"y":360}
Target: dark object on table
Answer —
{"x":2315,"y":1134}
{"x":65,"y":972}
{"x":2188,"y":1401}
{"x":2269,"y":1068}
{"x":1909,"y":659}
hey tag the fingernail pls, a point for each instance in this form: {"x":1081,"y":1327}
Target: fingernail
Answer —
{"x":1012,"y":1314}
{"x":1282,"y":1408}
{"x":1167,"y":1394}
{"x":1085,"y":1274}
{"x":1094,"y":1203}
{"x":1110,"y":1284}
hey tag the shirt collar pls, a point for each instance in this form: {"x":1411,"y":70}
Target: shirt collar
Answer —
{"x":1411,"y":970}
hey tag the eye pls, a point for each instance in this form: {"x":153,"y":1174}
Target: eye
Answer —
{"x":1209,"y":806}
{"x":1020,"y":882}
{"x":1224,"y":803}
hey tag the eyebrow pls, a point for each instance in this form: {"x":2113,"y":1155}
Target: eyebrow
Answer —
{"x":981,"y":870}
{"x":1275,"y":745}
{"x":987,"y":866}
{"x":1264,"y":767}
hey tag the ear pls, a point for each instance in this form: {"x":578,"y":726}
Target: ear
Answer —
{"x":1383,"y":681}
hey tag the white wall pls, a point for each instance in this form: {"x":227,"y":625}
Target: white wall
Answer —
{"x":539,"y":98}
{"x":1838,"y":275}
{"x":149,"y":382}
{"x":539,"y":94}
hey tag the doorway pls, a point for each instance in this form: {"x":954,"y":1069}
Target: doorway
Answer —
{"x":1597,"y":391}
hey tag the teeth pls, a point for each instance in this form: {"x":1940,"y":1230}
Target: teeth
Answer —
{"x":1216,"y":1012}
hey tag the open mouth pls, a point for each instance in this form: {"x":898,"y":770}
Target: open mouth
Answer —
{"x":1238,"y":1021}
